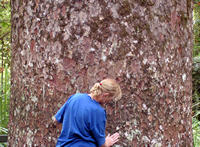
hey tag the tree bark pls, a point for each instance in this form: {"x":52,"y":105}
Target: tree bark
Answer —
{"x":60,"y":47}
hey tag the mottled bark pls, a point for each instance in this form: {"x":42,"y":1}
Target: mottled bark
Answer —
{"x":60,"y":47}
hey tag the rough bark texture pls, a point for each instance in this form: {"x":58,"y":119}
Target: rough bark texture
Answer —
{"x":60,"y":47}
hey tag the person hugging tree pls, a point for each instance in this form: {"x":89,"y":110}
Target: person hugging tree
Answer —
{"x":84,"y":119}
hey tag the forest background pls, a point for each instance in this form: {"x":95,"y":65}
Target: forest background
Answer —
{"x":5,"y":62}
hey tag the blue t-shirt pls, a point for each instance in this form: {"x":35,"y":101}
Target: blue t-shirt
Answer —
{"x":83,"y":122}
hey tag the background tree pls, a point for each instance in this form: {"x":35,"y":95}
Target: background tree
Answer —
{"x":63,"y":47}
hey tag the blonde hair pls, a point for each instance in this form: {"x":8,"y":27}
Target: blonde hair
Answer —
{"x":107,"y":86}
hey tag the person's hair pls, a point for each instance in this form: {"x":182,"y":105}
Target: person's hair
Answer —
{"x":107,"y":86}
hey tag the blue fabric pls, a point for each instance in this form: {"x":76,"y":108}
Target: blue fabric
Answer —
{"x":83,"y":122}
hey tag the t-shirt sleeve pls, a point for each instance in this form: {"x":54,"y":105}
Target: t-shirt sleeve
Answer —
{"x":98,"y":126}
{"x":60,"y":114}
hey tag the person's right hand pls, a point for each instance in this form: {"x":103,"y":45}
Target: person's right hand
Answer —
{"x":110,"y":140}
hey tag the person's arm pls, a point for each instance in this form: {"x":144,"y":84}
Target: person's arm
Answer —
{"x":98,"y":125}
{"x":110,"y":140}
{"x":58,"y":117}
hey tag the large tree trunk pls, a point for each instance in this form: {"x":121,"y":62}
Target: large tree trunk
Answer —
{"x":60,"y":47}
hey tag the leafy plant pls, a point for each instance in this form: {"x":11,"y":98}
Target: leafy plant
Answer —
{"x":196,"y":131}
{"x":4,"y":130}
{"x":4,"y":98}
{"x":196,"y":20}
{"x":195,"y":75}
{"x":5,"y":29}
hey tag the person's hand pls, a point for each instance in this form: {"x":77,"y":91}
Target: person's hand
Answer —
{"x":110,"y":140}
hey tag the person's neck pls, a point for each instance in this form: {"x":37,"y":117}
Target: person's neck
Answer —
{"x":94,"y":98}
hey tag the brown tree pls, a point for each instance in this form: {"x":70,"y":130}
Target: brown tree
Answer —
{"x":60,"y":47}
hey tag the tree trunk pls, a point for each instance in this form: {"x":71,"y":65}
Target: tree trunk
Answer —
{"x":60,"y":47}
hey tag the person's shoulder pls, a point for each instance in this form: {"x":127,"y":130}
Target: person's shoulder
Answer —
{"x":81,"y":95}
{"x":81,"y":98}
{"x":98,"y":111}
{"x":95,"y":107}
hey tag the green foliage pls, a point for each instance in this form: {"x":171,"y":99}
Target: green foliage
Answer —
{"x":196,"y":83}
{"x":5,"y":17}
{"x":4,"y":99}
{"x":3,"y":145}
{"x":5,"y":131}
{"x":196,"y":131}
{"x":196,"y":75}
{"x":196,"y":19}
{"x":5,"y":29}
